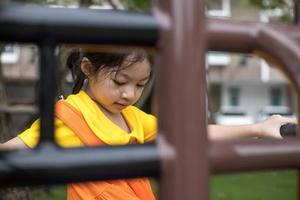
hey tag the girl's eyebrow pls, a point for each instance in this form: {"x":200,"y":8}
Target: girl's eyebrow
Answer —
{"x":147,"y":77}
{"x":128,"y":77}
{"x":123,"y":74}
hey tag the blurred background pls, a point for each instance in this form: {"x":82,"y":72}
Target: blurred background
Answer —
{"x":242,"y":89}
{"x":246,"y":88}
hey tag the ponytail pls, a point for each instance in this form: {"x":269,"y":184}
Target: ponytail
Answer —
{"x":73,"y":63}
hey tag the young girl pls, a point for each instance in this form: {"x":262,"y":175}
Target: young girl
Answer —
{"x":113,"y":83}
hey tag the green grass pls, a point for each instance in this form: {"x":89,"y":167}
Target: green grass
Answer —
{"x":274,"y":185}
{"x":279,"y":185}
{"x":54,"y":193}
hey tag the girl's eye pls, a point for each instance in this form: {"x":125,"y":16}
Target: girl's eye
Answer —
{"x":118,"y":83}
{"x":140,"y":85}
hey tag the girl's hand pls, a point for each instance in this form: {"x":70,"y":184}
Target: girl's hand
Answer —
{"x":269,"y":128}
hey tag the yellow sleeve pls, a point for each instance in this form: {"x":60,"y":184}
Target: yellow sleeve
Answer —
{"x":64,"y":136}
{"x":150,"y":126}
{"x":31,"y":135}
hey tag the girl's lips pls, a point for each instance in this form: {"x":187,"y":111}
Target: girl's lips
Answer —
{"x":121,"y":105}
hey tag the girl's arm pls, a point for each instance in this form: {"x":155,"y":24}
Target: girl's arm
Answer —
{"x":266,"y":129}
{"x":15,"y":143}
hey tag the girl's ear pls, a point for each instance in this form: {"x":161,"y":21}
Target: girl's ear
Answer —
{"x":86,"y":66}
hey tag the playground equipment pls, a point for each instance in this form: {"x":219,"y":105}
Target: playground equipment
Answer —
{"x":182,"y":155}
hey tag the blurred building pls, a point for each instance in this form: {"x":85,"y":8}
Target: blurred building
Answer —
{"x":18,"y":83}
{"x":244,"y":81}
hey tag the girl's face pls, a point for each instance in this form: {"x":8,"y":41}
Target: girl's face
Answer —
{"x":114,"y":91}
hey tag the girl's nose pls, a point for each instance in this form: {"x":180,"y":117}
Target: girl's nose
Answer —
{"x":128,"y":93}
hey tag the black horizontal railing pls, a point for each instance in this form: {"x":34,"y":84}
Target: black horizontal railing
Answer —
{"x":47,"y":27}
{"x":34,"y":23}
{"x":50,"y":164}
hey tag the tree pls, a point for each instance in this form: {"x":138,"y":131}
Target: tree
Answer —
{"x":140,"y":5}
{"x":136,"y":5}
{"x":284,"y":8}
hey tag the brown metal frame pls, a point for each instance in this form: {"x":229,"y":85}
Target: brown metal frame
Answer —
{"x":185,"y":37}
{"x":188,"y":158}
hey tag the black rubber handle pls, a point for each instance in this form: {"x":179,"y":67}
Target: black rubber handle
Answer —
{"x":288,"y":130}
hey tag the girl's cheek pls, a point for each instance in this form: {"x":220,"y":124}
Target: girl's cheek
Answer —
{"x":115,"y":90}
{"x":139,"y":93}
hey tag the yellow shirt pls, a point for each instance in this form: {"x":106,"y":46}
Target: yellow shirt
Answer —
{"x":143,"y":126}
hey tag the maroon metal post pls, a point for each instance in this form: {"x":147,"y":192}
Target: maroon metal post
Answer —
{"x":239,"y":156}
{"x":182,"y":98}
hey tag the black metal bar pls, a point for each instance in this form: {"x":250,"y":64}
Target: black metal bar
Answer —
{"x":47,"y":89}
{"x":50,"y":164}
{"x":296,"y":11}
{"x":33,"y":23}
{"x":288,"y":130}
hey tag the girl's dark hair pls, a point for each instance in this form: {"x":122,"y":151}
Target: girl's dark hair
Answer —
{"x":100,"y":61}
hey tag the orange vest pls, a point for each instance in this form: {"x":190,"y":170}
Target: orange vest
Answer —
{"x":129,"y":189}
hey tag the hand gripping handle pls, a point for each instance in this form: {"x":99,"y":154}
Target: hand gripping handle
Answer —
{"x":288,"y":130}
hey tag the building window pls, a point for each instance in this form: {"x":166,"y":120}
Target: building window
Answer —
{"x":214,"y":4}
{"x":276,"y":96}
{"x":234,"y":96}
{"x":218,"y":59}
{"x":218,"y":8}
{"x":10,"y":54}
{"x":285,"y":13}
